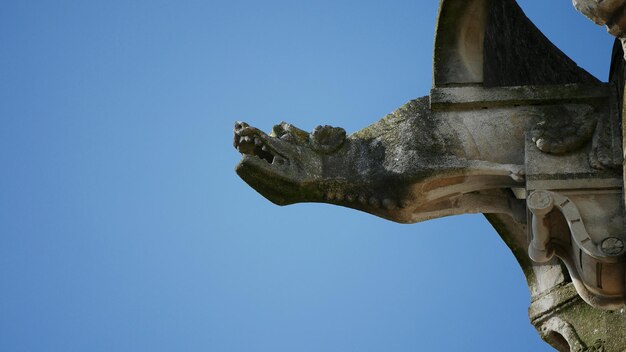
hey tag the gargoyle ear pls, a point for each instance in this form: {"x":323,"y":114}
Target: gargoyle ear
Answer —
{"x":327,"y":139}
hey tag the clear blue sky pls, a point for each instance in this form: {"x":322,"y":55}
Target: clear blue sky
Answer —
{"x":123,"y":226}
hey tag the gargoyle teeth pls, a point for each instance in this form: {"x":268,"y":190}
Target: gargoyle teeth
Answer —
{"x":254,"y":145}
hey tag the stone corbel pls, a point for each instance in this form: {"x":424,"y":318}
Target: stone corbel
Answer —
{"x":595,"y":262}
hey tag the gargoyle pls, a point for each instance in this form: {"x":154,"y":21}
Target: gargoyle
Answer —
{"x":413,"y":165}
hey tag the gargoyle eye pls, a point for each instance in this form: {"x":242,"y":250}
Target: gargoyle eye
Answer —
{"x":289,"y":133}
{"x":279,"y":130}
{"x":327,"y":139}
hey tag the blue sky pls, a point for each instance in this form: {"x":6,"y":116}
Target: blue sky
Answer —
{"x":123,"y":226}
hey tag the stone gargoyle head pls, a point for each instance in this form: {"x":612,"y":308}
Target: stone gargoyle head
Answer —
{"x":286,"y":166}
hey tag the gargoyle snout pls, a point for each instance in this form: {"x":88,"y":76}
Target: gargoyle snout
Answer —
{"x":240,"y":142}
{"x":252,"y":142}
{"x":239,"y":126}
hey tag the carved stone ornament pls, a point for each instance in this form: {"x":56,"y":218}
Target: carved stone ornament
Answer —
{"x":513,"y":129}
{"x":609,"y":13}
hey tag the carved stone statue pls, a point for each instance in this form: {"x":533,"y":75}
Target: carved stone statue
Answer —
{"x":513,"y":129}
